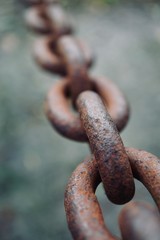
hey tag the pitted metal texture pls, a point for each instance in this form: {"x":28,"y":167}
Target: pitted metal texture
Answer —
{"x":103,"y":113}
{"x":67,"y":123}
{"x":84,"y":215}
{"x":107,"y":147}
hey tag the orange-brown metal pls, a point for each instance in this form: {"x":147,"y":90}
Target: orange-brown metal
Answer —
{"x":107,"y":147}
{"x":47,"y":57}
{"x":112,"y":163}
{"x":139,"y":221}
{"x":67,"y":123}
{"x":76,"y":67}
{"x":146,"y":168}
{"x":84,"y":215}
{"x":48,"y":19}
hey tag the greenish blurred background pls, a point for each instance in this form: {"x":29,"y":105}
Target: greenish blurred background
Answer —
{"x":35,"y":162}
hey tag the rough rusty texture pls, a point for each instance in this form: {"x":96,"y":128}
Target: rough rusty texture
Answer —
{"x":83,"y":212}
{"x":67,"y":123}
{"x":146,"y":168}
{"x":108,"y":149}
{"x":114,"y":101}
{"x":139,"y":221}
{"x":48,"y":19}
{"x":59,"y":113}
{"x":45,"y":54}
{"x":75,"y":63}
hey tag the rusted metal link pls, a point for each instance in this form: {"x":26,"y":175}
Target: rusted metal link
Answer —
{"x":84,"y":216}
{"x":83,"y":212}
{"x":107,"y":147}
{"x":67,"y":123}
{"x":47,"y":57}
{"x":48,"y":19}
{"x":112,"y":162}
{"x":146,"y":168}
{"x":139,"y":221}
{"x":76,"y":68}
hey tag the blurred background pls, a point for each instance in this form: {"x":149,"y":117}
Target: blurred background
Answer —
{"x":36,"y":162}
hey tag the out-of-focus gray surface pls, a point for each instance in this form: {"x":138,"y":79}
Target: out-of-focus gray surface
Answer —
{"x":35,"y":161}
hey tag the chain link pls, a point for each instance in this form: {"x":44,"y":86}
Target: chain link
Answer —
{"x":102,"y":112}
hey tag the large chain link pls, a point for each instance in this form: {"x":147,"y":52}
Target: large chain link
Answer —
{"x":103,"y":113}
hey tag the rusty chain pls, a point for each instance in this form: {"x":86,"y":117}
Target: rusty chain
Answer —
{"x":103,"y":113}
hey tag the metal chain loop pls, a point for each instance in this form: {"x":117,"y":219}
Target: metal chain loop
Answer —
{"x":83,"y":211}
{"x":107,"y":147}
{"x":135,"y":217}
{"x":75,"y":65}
{"x":103,"y":110}
{"x":48,"y":19}
{"x":68,"y":124}
{"x":84,"y":215}
{"x":47,"y":57}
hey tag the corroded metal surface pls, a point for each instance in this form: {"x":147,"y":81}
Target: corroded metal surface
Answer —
{"x":59,"y":113}
{"x":67,"y":123}
{"x":103,"y":112}
{"x":106,"y":144}
{"x":114,"y":100}
{"x":84,"y":215}
{"x":48,"y":19}
{"x":146,"y":168}
{"x":76,"y":67}
{"x":139,"y":221}
{"x":47,"y":57}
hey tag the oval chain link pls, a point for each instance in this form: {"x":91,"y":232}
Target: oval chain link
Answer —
{"x":103,"y":113}
{"x":67,"y":123}
{"x":46,"y":55}
{"x":84,"y":215}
